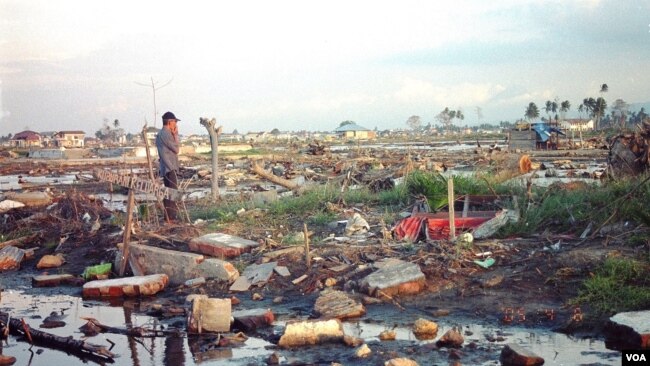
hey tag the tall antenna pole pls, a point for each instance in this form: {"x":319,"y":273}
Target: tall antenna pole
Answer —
{"x":154,"y":88}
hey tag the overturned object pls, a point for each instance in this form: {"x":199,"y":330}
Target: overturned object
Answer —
{"x":129,"y":286}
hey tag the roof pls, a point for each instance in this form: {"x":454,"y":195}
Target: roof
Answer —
{"x":71,"y":133}
{"x":544,"y":131}
{"x":27,"y":135}
{"x":350,"y":127}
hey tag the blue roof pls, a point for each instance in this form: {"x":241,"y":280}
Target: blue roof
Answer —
{"x":350,"y":127}
{"x":544,"y":131}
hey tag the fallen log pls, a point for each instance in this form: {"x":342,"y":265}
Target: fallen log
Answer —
{"x":132,"y":332}
{"x":272,"y":177}
{"x":18,"y":327}
{"x":19,"y":241}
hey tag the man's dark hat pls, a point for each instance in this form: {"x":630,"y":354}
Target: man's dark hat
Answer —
{"x":169,"y":115}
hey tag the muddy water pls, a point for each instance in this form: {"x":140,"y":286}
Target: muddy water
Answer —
{"x":487,"y":340}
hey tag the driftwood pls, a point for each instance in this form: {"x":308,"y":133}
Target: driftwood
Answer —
{"x":20,"y":241}
{"x":273,"y":178}
{"x":94,"y":324}
{"x":82,"y":349}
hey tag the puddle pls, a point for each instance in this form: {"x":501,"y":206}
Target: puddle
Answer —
{"x":131,"y":351}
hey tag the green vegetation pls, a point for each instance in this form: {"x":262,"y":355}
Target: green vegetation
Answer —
{"x":619,"y":285}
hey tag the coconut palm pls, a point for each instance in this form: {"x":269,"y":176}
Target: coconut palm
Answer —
{"x":564,"y":108}
{"x":532,"y":112}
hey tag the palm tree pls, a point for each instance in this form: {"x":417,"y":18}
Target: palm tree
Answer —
{"x":550,"y":107}
{"x":564,"y":108}
{"x":532,"y":111}
{"x":602,"y":105}
{"x":116,"y":123}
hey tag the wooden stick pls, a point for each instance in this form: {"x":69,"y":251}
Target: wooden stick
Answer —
{"x":127,"y":233}
{"x":452,"y":218}
{"x":307,"y":255}
{"x":273,"y":178}
{"x":19,"y":241}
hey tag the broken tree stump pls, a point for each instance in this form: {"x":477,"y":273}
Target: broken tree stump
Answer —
{"x":273,"y":178}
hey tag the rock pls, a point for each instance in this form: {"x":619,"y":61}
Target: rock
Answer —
{"x":363,"y":351}
{"x":515,"y":355}
{"x":441,"y":312}
{"x":492,"y":281}
{"x":400,"y":362}
{"x":278,"y":300}
{"x":128,"y":286}
{"x":352,"y":341}
{"x":629,"y":330}
{"x":282,"y":271}
{"x":209,"y":315}
{"x":303,"y":333}
{"x":273,"y":359}
{"x":387,"y":335}
{"x":249,"y":320}
{"x":257,"y":297}
{"x":10,"y":258}
{"x":53,"y":321}
{"x":329,"y":282}
{"x":394,"y":277}
{"x":452,"y":338}
{"x":192,"y":297}
{"x":425,"y":329}
{"x":50,"y":261}
{"x":7,"y":360}
{"x":339,"y":305}
{"x":222,"y":245}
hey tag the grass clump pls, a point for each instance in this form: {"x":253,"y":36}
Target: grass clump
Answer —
{"x":618,"y":285}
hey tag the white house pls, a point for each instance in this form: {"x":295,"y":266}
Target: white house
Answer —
{"x":577,"y":124}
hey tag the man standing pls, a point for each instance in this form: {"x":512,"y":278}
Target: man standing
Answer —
{"x":168,"y":146}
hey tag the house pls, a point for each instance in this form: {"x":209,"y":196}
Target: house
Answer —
{"x":69,"y":138}
{"x":48,"y":138}
{"x":546,"y":136}
{"x":577,"y":124}
{"x":27,"y":139}
{"x":354,"y":131}
{"x":151,"y":133}
{"x":256,"y":137}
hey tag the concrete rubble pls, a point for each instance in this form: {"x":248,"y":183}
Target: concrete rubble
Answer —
{"x":630,"y":330}
{"x":515,"y":355}
{"x":10,"y":258}
{"x":179,"y":266}
{"x":209,"y":315}
{"x":128,"y":286}
{"x":311,"y":332}
{"x":253,"y":275}
{"x":339,"y":305}
{"x":222,"y":245}
{"x":394,"y":277}
{"x":252,"y":319}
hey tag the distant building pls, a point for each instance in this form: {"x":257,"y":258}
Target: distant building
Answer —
{"x":151,"y":133}
{"x":577,"y":124}
{"x":354,"y":131}
{"x":27,"y":139}
{"x":69,"y":138}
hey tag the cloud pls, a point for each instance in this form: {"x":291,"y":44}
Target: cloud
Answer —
{"x":464,"y":94}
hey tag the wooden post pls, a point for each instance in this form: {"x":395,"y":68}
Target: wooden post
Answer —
{"x":450,"y":198}
{"x":151,"y":175}
{"x":465,"y":206}
{"x":127,"y":233}
{"x":214,"y":131}
{"x":307,"y":255}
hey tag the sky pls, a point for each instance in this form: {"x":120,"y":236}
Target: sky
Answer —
{"x":309,"y":65}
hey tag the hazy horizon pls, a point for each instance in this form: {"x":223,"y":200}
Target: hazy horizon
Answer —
{"x":293,"y":65}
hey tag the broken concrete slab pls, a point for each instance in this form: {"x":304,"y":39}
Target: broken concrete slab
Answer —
{"x":10,"y":258}
{"x":282,"y":271}
{"x":339,"y":305}
{"x":129,"y":286}
{"x":7,"y":205}
{"x":209,"y":315}
{"x":452,"y":339}
{"x":249,"y":320}
{"x":515,"y":355}
{"x":394,"y":277}
{"x":179,"y":266}
{"x":490,"y":227}
{"x":222,"y":245}
{"x":629,"y":330}
{"x":55,"y":280}
{"x":255,"y":274}
{"x":311,"y":332}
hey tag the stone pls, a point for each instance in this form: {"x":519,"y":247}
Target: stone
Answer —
{"x":352,"y":341}
{"x":273,"y":359}
{"x":10,"y":258}
{"x":425,"y":329}
{"x":50,"y":261}
{"x":222,"y":245}
{"x":452,"y":338}
{"x":400,"y":362}
{"x":282,"y":271}
{"x":55,"y":280}
{"x":128,"y":286}
{"x":394,"y":277}
{"x":179,"y":266}
{"x":363,"y":351}
{"x":192,"y":297}
{"x":628,"y":330}
{"x":339,"y":305}
{"x":492,"y":281}
{"x":253,"y":275}
{"x":209,"y":315}
{"x":311,"y":332}
{"x":249,"y":320}
{"x":515,"y":355}
{"x":387,"y":335}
